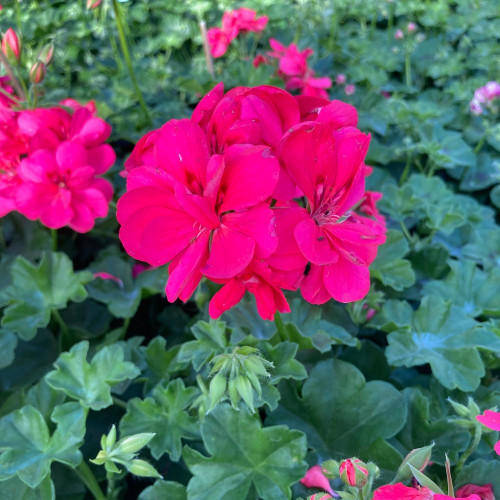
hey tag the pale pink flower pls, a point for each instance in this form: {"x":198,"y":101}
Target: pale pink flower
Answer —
{"x":399,"y":35}
{"x":340,"y":79}
{"x":350,"y":89}
{"x":411,"y":27}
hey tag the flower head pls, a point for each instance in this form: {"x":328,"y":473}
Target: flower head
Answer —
{"x":484,"y":492}
{"x":353,"y":472}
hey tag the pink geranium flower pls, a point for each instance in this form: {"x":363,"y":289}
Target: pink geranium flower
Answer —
{"x":401,"y":492}
{"x":315,"y":478}
{"x":5,"y":100}
{"x":204,"y":214}
{"x":61,"y":189}
{"x":491,"y":419}
{"x":484,"y":492}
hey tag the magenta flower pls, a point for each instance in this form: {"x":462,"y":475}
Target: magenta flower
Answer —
{"x":204,"y":214}
{"x":349,"y":89}
{"x":9,"y":182}
{"x":491,"y":419}
{"x":401,"y":492}
{"x":61,"y":189}
{"x":484,"y":492}
{"x":484,"y":96}
{"x":315,"y":478}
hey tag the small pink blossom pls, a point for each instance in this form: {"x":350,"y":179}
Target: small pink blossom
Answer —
{"x":399,"y":35}
{"x":411,"y":27}
{"x":111,"y":277}
{"x":491,"y":419}
{"x":350,"y":89}
{"x":315,"y":478}
{"x":340,"y":79}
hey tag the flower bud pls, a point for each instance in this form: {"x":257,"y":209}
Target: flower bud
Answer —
{"x":411,"y":27}
{"x":340,"y":79}
{"x":142,"y":468}
{"x":350,"y":89}
{"x":399,"y":35}
{"x":45,"y":55}
{"x":11,"y":46}
{"x":354,"y":472}
{"x":38,"y":72}
{"x":132,"y":444}
{"x":419,"y":458}
{"x":92,"y":4}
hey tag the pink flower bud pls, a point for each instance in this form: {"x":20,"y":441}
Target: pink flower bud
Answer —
{"x":11,"y":45}
{"x":350,"y":89}
{"x":485,"y":492}
{"x":45,"y":55}
{"x":92,"y":4}
{"x":38,"y":72}
{"x":411,"y":27}
{"x":340,"y":79}
{"x":475,"y":107}
{"x":399,"y":35}
{"x":260,"y":59}
{"x":315,"y":478}
{"x":354,"y":472}
{"x":320,"y":496}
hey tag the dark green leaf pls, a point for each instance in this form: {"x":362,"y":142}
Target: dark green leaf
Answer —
{"x":245,"y":457}
{"x":165,"y":413}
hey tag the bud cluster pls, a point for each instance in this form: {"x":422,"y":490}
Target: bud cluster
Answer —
{"x":124,"y":452}
{"x":237,"y":375}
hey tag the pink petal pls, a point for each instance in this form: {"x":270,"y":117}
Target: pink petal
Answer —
{"x":149,"y":177}
{"x":340,"y":114}
{"x":58,"y":212}
{"x":250,"y":176}
{"x":38,"y":167}
{"x":490,"y":419}
{"x":230,"y":253}
{"x":310,"y":106}
{"x":314,"y":242}
{"x":185,"y":276}
{"x":269,"y":299}
{"x":31,"y":198}
{"x":70,"y":155}
{"x":497,"y":448}
{"x":182,"y":151}
{"x":346,"y":281}
{"x":315,"y":478}
{"x":228,"y":296}
{"x":312,"y":287}
{"x":101,"y":158}
{"x":203,"y":111}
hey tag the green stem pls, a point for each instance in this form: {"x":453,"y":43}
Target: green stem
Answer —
{"x":405,"y":231}
{"x":408,"y":69}
{"x":62,"y":325}
{"x":360,"y":495}
{"x":111,"y":485}
{"x":470,"y":449}
{"x":480,"y":144}
{"x":119,"y":402}
{"x":88,"y":479}
{"x":18,"y":15}
{"x":128,"y":60}
{"x":125,"y":326}
{"x":53,"y":234}
{"x":406,"y":170}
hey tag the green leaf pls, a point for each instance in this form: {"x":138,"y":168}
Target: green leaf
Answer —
{"x":160,"y":362}
{"x":445,"y":337}
{"x":495,"y":196}
{"x":245,"y":457}
{"x":28,"y":448}
{"x":389,"y":267}
{"x":164,"y":414}
{"x":467,"y":287}
{"x":15,"y":489}
{"x":481,"y":472}
{"x":163,"y":490}
{"x":340,"y":413}
{"x":425,"y":481}
{"x":282,"y":356}
{"x":91,"y":383}
{"x":35,"y":291}
{"x":308,"y":321}
{"x":8,"y":343}
{"x":429,"y":422}
{"x":210,"y":341}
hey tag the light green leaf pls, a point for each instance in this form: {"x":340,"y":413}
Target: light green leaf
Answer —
{"x":36,"y":290}
{"x":165,"y":413}
{"x":28,"y":447}
{"x":467,"y":287}
{"x":8,"y":343}
{"x":91,"y":383}
{"x":447,"y":338}
{"x":389,"y":267}
{"x":15,"y":489}
{"x":245,"y":457}
{"x":163,"y":490}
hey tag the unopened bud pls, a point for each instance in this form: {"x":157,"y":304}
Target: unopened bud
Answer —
{"x":143,"y":469}
{"x":38,"y":72}
{"x":132,"y":444}
{"x":92,"y":4}
{"x":354,"y":472}
{"x":399,"y":35}
{"x":411,"y":27}
{"x":45,"y":55}
{"x":419,"y":458}
{"x":330,"y":468}
{"x":11,"y":46}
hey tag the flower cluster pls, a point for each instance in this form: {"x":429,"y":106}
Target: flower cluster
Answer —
{"x":233,"y":23}
{"x":51,"y":160}
{"x":401,"y":492}
{"x":294,"y":70}
{"x":484,"y":96}
{"x":258,"y":191}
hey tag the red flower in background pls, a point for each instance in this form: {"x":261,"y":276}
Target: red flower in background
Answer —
{"x":234,"y":22}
